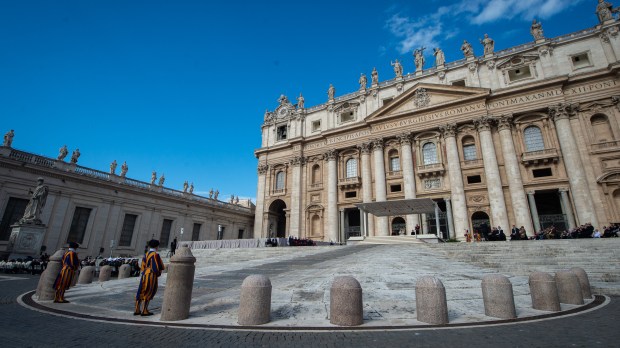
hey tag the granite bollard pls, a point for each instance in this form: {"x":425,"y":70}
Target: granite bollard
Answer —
{"x":584,"y":282}
{"x":430,"y":301}
{"x":45,"y":288}
{"x":544,"y":292}
{"x":76,"y":275}
{"x":105,"y":273}
{"x":179,"y":284}
{"x":86,"y":275}
{"x":124,"y":271}
{"x":345,"y":303}
{"x":569,"y":289}
{"x":255,"y":300}
{"x":499,"y":301}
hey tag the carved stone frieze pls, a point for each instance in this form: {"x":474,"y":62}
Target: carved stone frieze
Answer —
{"x":545,"y":49}
{"x":504,"y":122}
{"x":297,"y":161}
{"x":262,"y":168}
{"x":562,"y":111}
{"x":441,"y":75}
{"x":364,"y":148}
{"x":421,"y":98}
{"x":330,"y":155}
{"x":404,"y":138}
{"x":473,"y":66}
{"x":377,"y":144}
{"x":491,"y":64}
{"x":483,"y":123}
{"x":448,"y":130}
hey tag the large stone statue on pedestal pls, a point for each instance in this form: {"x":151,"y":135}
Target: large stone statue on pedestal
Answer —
{"x":113,"y":167}
{"x":536,"y":30}
{"x":32,"y":214}
{"x":468,"y":51}
{"x":440,"y":58}
{"x":418,"y":57}
{"x":27,"y":235}
{"x":62,"y":153}
{"x":124,"y":169}
{"x":398,"y":68}
{"x":374,"y":77}
{"x":8,"y":138}
{"x":489,"y":44}
{"x":605,"y":11}
{"x":75,"y":156}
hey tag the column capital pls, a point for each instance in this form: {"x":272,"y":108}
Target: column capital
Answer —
{"x":404,"y":138}
{"x":262,"y":168}
{"x":297,"y":160}
{"x":483,"y":123}
{"x":330,"y":155}
{"x":447,"y":199}
{"x":364,"y":148}
{"x":530,"y":192}
{"x":377,"y":144}
{"x":562,"y":111}
{"x":504,"y":122}
{"x":563,"y":189}
{"x":448,"y":130}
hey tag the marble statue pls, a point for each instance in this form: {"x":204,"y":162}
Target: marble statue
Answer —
{"x":363,"y":81}
{"x":211,"y":193}
{"x":32,"y":214}
{"x":237,"y":200}
{"x":74,"y":157}
{"x":153,"y":177}
{"x":232,"y":199}
{"x":300,"y":101}
{"x":113,"y":167}
{"x":185,"y":186}
{"x":283,"y":99}
{"x":374,"y":76}
{"x":191,"y":188}
{"x":8,"y":138}
{"x":468,"y":51}
{"x":418,"y":54}
{"x":536,"y":30}
{"x":398,"y":68}
{"x":62,"y":153}
{"x":488,"y":43}
{"x":162,"y":179}
{"x":124,"y":169}
{"x":331,"y":92}
{"x":217,"y":193}
{"x":440,"y":58}
{"x":605,"y":11}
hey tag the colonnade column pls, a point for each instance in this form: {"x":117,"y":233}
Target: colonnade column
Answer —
{"x":491,"y":171}
{"x":451,"y":233}
{"x":259,"y":230}
{"x":366,"y":185}
{"x":532,"y":200}
{"x":582,"y":198}
{"x":380,"y":190}
{"x":342,"y":234}
{"x":513,"y":175}
{"x":296,"y":162}
{"x":331,"y":233}
{"x":461,"y":220}
{"x":568,"y":210}
{"x":408,"y":177}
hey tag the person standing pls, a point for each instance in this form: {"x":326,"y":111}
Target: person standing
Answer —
{"x":70,"y":264}
{"x":151,"y":269}
{"x":173,"y":247}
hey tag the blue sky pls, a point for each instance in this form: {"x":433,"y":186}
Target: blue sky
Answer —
{"x":180,"y":87}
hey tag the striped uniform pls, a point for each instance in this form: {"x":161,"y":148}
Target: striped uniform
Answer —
{"x":151,"y":268}
{"x":70,"y":264}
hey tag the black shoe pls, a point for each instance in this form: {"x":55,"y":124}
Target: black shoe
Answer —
{"x":146,"y":314}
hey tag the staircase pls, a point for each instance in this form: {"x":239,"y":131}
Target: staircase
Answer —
{"x":390,"y":240}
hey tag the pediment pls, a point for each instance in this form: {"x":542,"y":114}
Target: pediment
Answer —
{"x":424,"y":96}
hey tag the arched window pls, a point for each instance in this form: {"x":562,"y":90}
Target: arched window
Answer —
{"x":469,"y":148}
{"x":601,"y":128}
{"x":394,"y":161}
{"x":533,"y":139}
{"x":429,"y":153}
{"x":280,"y":180}
{"x":316,"y":174}
{"x":351,"y":168}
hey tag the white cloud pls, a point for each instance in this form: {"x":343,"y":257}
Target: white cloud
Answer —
{"x":414,"y":34}
{"x":496,"y":10}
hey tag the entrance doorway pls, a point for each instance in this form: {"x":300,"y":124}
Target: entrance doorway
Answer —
{"x":480,"y":222}
{"x":443,"y":220}
{"x":399,"y":225}
{"x":550,"y":213}
{"x":277,"y":219}
{"x":352,"y":225}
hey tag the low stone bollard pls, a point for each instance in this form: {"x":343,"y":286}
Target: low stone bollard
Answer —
{"x":430,"y":301}
{"x":569,"y":289}
{"x":544,"y":292}
{"x":86,"y":275}
{"x":255,"y":300}
{"x":499,"y":301}
{"x":345,"y":303}
{"x":124,"y":271}
{"x":584,"y":282}
{"x":179,"y":284}
{"x":74,"y":280}
{"x":105,"y":273}
{"x":45,"y":288}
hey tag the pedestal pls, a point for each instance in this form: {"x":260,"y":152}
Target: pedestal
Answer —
{"x":25,"y":240}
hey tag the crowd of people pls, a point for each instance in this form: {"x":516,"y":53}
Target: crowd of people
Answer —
{"x":294,"y":241}
{"x":26,"y":265}
{"x":484,"y":233}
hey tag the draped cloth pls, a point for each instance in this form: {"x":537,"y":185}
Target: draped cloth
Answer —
{"x":151,"y":268}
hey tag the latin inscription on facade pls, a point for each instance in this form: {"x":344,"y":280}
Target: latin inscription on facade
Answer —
{"x":430,"y":117}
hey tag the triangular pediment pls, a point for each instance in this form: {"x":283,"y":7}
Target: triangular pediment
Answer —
{"x":425,"y":96}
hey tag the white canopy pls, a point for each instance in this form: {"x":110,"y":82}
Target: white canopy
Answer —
{"x":399,"y":207}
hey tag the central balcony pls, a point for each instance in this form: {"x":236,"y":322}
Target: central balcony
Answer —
{"x":352,"y":182}
{"x":434,"y":169}
{"x":540,"y":157}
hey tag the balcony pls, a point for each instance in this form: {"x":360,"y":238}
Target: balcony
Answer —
{"x":472,"y":163}
{"x":540,"y":157}
{"x":278,"y":192}
{"x":317,"y":186}
{"x":394,"y":174}
{"x":352,"y":182}
{"x":606,"y":146}
{"x":435,"y":169}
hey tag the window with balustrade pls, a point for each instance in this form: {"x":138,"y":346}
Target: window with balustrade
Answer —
{"x":316,"y":174}
{"x":533,"y":139}
{"x":429,"y":153}
{"x":280,"y":180}
{"x":394,"y":161}
{"x":351,"y":166}
{"x":601,"y":128}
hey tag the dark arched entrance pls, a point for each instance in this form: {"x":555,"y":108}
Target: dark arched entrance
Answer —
{"x":399,"y":225}
{"x":277,"y":219}
{"x":480,"y":223}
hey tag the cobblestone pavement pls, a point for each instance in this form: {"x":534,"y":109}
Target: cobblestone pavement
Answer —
{"x":22,"y":327}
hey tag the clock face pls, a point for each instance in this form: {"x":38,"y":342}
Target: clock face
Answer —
{"x":282,"y":112}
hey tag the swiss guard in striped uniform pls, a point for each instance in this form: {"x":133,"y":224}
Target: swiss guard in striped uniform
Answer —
{"x":70,"y":264}
{"x":151,"y":268}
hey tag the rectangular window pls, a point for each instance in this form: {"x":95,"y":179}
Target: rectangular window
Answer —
{"x":520,"y":73}
{"x":539,"y":173}
{"x":347,"y":116}
{"x":469,"y":152}
{"x":580,"y":60}
{"x":196,"y":232}
{"x":395,"y":188}
{"x":316,"y":126}
{"x":241,"y":234}
{"x":395,"y":164}
{"x":14,"y":211}
{"x":78,"y":225}
{"x":474,"y":179}
{"x":281,"y":133}
{"x":458,"y":83}
{"x":164,"y":237}
{"x":127,"y":233}
{"x":386,"y":101}
{"x":350,"y":194}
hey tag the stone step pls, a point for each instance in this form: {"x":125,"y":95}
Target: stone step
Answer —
{"x":391,"y":240}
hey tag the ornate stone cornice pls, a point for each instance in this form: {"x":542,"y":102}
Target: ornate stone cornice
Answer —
{"x":330,"y":155}
{"x":448,"y":130}
{"x":377,"y":144}
{"x":262,"y":168}
{"x":562,"y":111}
{"x":364,"y":148}
{"x":297,"y":160}
{"x":483,"y":123}
{"x":404,"y":138}
{"x":504,"y":122}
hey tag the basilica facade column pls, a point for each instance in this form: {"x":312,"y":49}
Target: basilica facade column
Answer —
{"x":296,"y":162}
{"x":408,"y":177}
{"x":491,"y":171}
{"x":451,"y":233}
{"x":259,"y":230}
{"x":380,"y":189}
{"x":513,"y":175}
{"x":584,"y":205}
{"x":534,"y":210}
{"x":367,"y":186}
{"x":568,"y":210}
{"x":331,"y":230}
{"x":460,"y":216}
